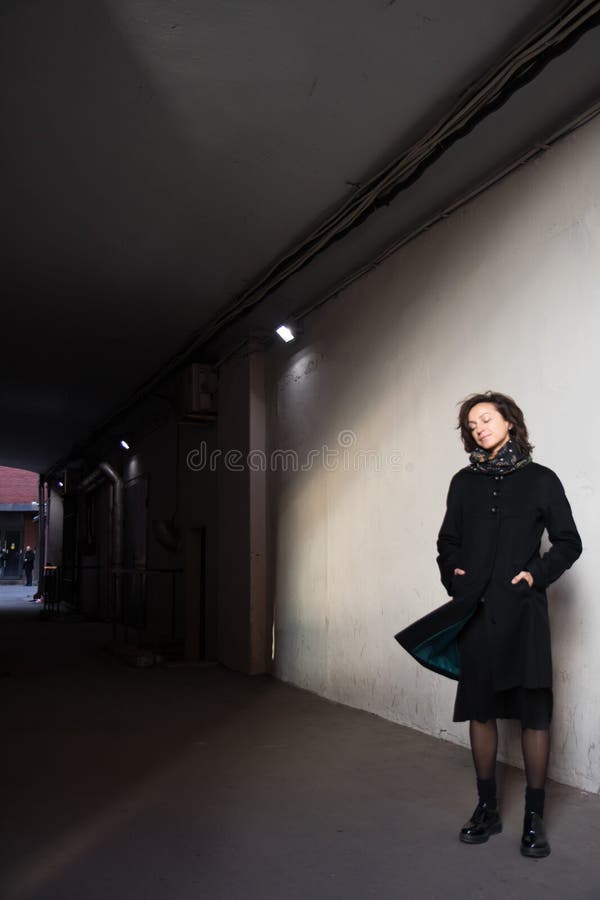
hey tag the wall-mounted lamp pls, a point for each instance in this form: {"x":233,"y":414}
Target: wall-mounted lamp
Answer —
{"x":285,"y":333}
{"x":124,"y":444}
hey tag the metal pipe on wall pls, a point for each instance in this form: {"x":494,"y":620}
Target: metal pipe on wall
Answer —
{"x":41,"y":547}
{"x":116,"y":507}
{"x":116,"y":513}
{"x":92,"y":481}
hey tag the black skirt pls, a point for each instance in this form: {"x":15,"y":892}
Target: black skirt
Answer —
{"x":475,"y":696}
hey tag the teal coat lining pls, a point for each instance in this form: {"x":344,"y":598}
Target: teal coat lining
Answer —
{"x":440,"y":652}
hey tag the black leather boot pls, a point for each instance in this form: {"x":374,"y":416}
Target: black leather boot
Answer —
{"x":483,"y":823}
{"x":534,"y":842}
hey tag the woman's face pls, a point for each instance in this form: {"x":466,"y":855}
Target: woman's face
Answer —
{"x":488,"y":427}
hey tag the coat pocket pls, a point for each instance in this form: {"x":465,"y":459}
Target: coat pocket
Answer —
{"x":522,"y":584}
{"x":458,"y":584}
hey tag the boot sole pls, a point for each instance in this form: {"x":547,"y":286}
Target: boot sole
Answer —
{"x":535,"y":854}
{"x":482,"y":839}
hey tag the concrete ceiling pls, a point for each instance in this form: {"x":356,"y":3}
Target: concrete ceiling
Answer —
{"x":159,"y":157}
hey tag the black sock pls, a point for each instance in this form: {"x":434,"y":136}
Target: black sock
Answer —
{"x":486,"y":788}
{"x":534,"y":800}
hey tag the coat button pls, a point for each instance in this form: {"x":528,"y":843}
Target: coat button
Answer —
{"x":494,"y":509}
{"x":495,"y":493}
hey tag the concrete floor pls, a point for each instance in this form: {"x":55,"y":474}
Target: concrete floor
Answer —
{"x":179,"y":783}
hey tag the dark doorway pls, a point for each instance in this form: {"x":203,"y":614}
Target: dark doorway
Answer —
{"x":13,"y":557}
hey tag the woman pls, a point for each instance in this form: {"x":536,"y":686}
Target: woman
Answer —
{"x":494,"y":637}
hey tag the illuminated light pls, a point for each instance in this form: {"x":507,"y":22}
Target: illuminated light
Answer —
{"x":285,"y":333}
{"x":61,"y":483}
{"x":124,"y":444}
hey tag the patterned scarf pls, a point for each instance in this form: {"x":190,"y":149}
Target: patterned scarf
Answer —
{"x":508,"y":459}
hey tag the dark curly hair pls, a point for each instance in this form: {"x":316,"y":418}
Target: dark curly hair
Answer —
{"x":507,"y":408}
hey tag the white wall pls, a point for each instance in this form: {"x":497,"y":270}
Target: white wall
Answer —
{"x":54,"y":548}
{"x":504,"y":296}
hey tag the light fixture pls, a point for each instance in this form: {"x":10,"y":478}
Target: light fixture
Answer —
{"x":60,"y":483}
{"x":124,"y":444}
{"x":285,"y":333}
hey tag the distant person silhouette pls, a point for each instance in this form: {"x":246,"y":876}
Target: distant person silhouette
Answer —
{"x":28,"y":563}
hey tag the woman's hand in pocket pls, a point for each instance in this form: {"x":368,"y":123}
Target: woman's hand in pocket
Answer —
{"x":527,"y":576}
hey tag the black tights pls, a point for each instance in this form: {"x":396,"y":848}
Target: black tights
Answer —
{"x":536,"y":748}
{"x":484,"y":746}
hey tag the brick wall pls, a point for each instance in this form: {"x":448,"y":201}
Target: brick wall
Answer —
{"x":30,"y":533}
{"x":18,"y":485}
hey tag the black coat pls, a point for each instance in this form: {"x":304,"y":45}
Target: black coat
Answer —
{"x":492,"y":529}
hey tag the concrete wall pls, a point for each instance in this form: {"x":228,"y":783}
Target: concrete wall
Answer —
{"x":504,"y":295}
{"x":245,"y":619}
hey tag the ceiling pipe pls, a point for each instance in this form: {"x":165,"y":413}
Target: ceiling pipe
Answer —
{"x":92,"y":481}
{"x":116,"y":513}
{"x":571,"y":126}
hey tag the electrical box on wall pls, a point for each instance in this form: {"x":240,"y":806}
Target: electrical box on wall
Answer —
{"x":199,"y":392}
